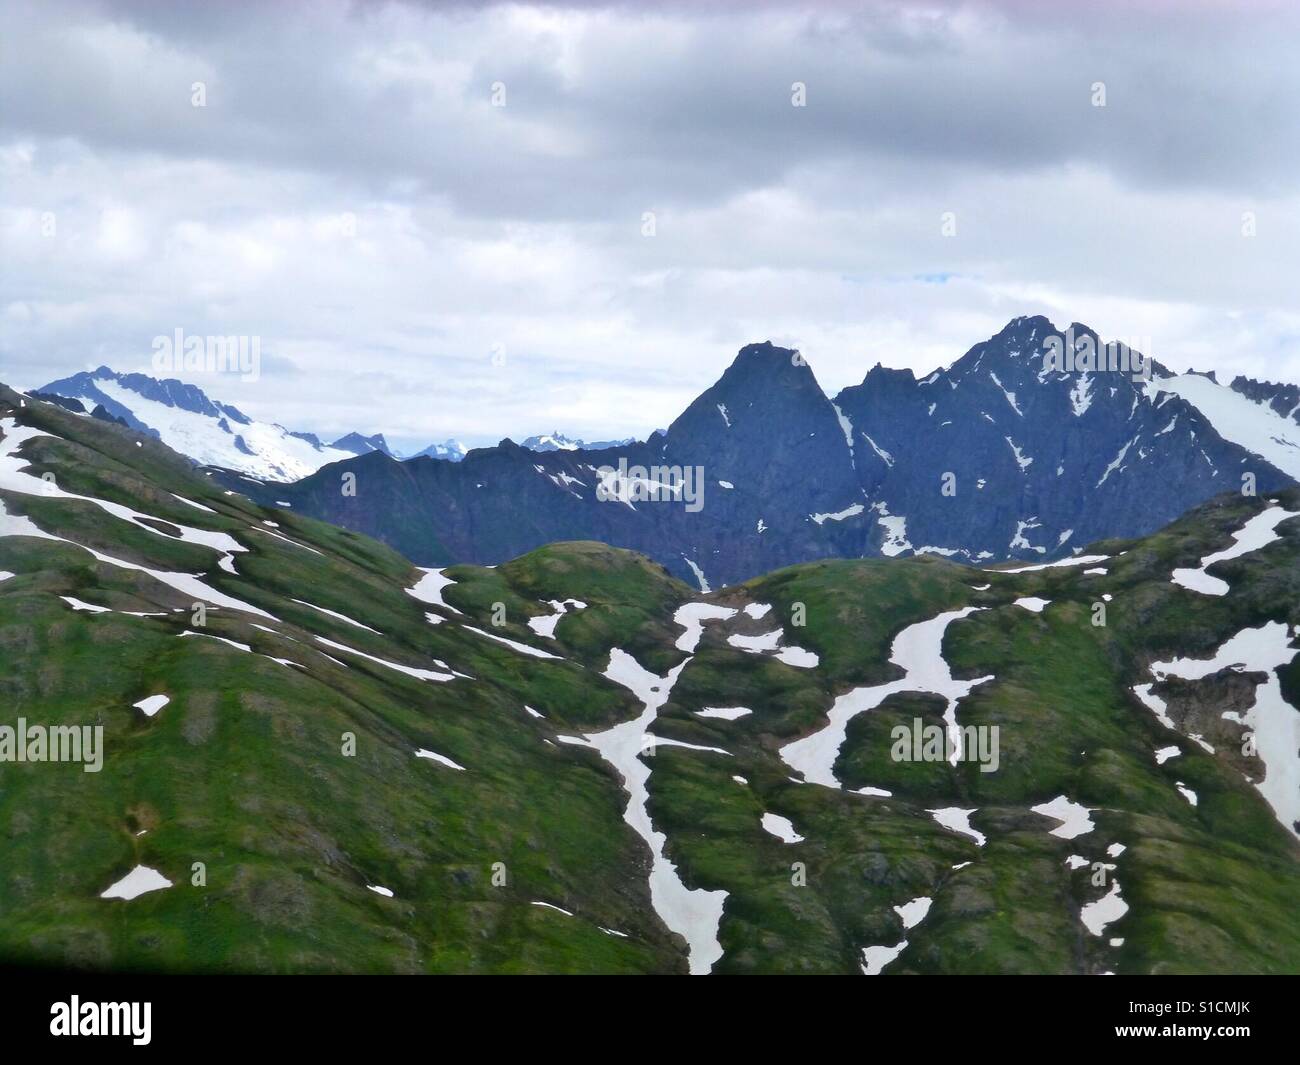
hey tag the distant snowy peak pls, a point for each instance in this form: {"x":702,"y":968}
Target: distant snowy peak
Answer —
{"x":557,"y":441}
{"x":209,"y":432}
{"x":1002,"y":455}
{"x":451,"y":450}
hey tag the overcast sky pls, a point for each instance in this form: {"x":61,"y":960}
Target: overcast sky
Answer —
{"x":419,"y":261}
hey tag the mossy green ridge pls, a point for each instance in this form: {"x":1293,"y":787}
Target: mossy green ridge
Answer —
{"x":249,"y":773}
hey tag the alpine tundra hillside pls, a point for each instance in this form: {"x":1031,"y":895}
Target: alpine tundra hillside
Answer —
{"x":315,"y":756}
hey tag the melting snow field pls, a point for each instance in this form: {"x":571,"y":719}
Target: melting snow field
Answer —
{"x":693,"y":913}
{"x":917,"y":650}
{"x":220,"y":639}
{"x":699,"y":573}
{"x":766,"y":641}
{"x":913,"y":913}
{"x":797,"y":656}
{"x":545,"y":626}
{"x":839,"y":515}
{"x":428,"y":589}
{"x":761,"y":644}
{"x":725,"y":713}
{"x":1078,"y":560}
{"x":337,"y":616}
{"x":1258,"y":532}
{"x":1073,"y":818}
{"x":441,"y":759}
{"x":189,"y":586}
{"x":1106,"y":910}
{"x":782,"y":828}
{"x":514,"y":645}
{"x":89,"y":608}
{"x":1275,"y":723}
{"x":1155,"y":704}
{"x":956,"y":819}
{"x":410,"y":671}
{"x":874,"y":959}
{"x":152,"y":704}
{"x":137,"y":882}
{"x":1032,"y":603}
{"x":14,"y":479}
{"x":692,"y":616}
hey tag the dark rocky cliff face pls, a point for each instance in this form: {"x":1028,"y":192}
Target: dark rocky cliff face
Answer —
{"x":1000,"y":456}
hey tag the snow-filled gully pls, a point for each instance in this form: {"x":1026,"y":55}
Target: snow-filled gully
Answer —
{"x":918,"y":651}
{"x":693,"y":913}
{"x":696,"y":914}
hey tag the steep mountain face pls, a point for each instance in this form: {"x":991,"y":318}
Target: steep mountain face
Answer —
{"x":1001,"y":456}
{"x":356,"y":444}
{"x":1282,"y":400}
{"x":776,"y":466}
{"x":1037,"y":460}
{"x":573,"y":762}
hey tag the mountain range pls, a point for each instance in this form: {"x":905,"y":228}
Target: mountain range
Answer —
{"x":317,"y":757}
{"x":557,"y":441}
{"x":999,"y":456}
{"x":214,"y":433}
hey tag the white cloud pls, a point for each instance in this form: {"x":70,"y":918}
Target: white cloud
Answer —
{"x":350,"y":195}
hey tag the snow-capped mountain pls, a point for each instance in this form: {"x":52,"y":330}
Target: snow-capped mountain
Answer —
{"x":451,"y":450}
{"x":1003,"y":455}
{"x":1040,"y":461}
{"x":209,"y":432}
{"x":557,"y":441}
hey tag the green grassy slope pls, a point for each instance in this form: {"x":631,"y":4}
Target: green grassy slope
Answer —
{"x":245,"y":769}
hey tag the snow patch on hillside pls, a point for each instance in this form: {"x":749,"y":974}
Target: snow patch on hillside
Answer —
{"x":1257,"y":533}
{"x":139,"y":881}
{"x":781,"y":827}
{"x":918,"y":651}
